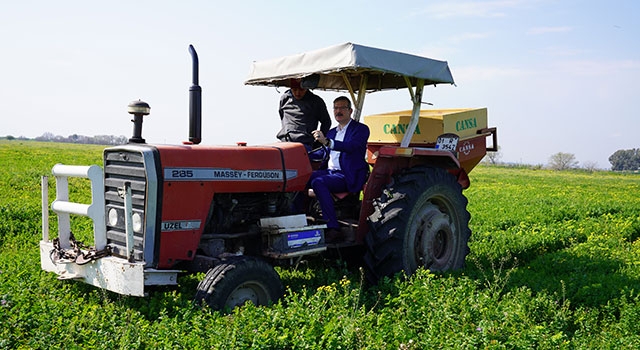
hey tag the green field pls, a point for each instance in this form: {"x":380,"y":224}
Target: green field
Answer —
{"x":554,"y":263}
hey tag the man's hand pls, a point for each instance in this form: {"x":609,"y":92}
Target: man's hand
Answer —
{"x":319,"y":136}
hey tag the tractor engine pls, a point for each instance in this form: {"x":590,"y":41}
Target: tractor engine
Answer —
{"x":234,"y":213}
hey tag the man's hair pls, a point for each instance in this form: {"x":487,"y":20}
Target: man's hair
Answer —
{"x":294,"y":83}
{"x":343,"y":98}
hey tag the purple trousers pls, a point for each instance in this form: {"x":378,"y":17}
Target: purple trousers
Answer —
{"x":324,"y":182}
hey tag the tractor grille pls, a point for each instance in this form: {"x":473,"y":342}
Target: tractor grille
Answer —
{"x":121,"y":166}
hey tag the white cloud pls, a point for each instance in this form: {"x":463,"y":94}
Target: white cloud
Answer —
{"x":559,"y":51}
{"x":547,"y":30}
{"x":468,"y":36}
{"x":486,"y":9}
{"x":474,"y":73}
{"x":591,"y":68}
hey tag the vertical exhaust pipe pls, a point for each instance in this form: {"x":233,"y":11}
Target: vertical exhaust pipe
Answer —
{"x":195,"y":102}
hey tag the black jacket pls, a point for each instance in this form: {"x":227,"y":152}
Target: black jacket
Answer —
{"x":300,"y":117}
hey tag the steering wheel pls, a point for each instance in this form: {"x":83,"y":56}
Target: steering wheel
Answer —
{"x":325,"y":150}
{"x":325,"y":154}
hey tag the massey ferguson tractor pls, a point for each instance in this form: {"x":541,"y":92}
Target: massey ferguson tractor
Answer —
{"x":159,"y":211}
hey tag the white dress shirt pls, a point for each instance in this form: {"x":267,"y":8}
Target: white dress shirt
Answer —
{"x":334,"y":156}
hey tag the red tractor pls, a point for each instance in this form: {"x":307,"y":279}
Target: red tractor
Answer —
{"x":159,"y":210}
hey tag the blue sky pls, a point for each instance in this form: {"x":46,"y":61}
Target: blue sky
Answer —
{"x":556,"y":76}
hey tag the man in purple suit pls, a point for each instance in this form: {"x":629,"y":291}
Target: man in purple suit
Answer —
{"x":346,"y":170}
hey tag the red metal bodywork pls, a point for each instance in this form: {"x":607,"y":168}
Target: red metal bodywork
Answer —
{"x":193,"y":174}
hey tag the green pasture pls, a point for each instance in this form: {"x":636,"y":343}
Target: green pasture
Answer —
{"x":554,"y":263}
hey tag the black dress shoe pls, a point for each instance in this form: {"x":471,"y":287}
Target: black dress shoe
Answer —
{"x":333,"y":235}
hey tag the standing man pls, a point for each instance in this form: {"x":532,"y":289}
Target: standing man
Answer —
{"x":346,"y":169}
{"x":300,"y":112}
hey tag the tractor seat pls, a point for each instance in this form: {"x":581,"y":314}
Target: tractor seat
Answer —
{"x":341,"y":195}
{"x":336,"y":196}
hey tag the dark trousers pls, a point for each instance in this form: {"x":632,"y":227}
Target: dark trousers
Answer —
{"x":324,"y":182}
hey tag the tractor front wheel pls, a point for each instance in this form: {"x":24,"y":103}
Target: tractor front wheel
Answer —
{"x":420,"y":220}
{"x":239,"y":281}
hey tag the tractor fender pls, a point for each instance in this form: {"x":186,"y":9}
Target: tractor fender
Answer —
{"x":390,"y":160}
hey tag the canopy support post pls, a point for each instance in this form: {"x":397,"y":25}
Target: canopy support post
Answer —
{"x":358,"y":101}
{"x":362,"y":92}
{"x":415,"y":113}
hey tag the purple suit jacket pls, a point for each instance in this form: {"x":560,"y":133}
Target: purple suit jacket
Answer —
{"x":353,"y":150}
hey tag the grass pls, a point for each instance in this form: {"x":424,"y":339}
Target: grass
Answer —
{"x":554,"y":263}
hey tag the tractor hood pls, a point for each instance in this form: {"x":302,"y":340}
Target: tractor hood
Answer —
{"x":282,"y":166}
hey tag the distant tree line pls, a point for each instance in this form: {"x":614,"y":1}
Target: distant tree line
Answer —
{"x":75,"y":138}
{"x":621,"y":160}
{"x":625,"y":159}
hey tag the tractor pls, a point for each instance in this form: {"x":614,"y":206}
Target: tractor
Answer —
{"x":159,"y":211}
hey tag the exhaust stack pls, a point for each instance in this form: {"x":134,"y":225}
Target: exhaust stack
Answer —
{"x":195,"y":103}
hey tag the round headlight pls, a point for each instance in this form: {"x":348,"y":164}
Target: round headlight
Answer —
{"x":113,"y":217}
{"x":137,"y":222}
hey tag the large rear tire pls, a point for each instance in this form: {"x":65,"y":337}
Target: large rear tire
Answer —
{"x":239,"y":281}
{"x":420,"y":220}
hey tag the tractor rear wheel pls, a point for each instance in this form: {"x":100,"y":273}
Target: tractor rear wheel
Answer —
{"x":238,"y":281}
{"x":420,"y":220}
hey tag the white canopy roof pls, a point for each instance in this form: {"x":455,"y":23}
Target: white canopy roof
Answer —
{"x":343,"y":66}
